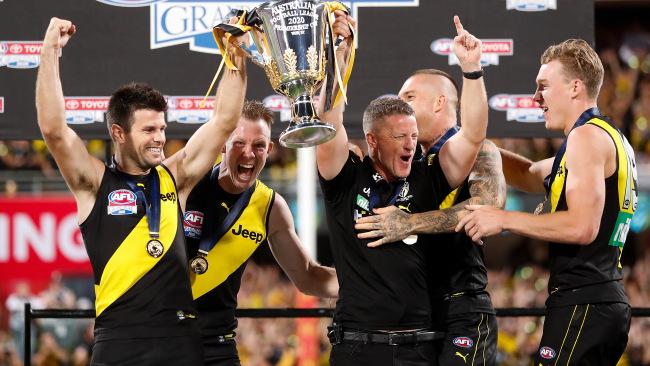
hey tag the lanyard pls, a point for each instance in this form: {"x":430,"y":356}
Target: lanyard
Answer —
{"x":585,"y":117}
{"x":441,"y":141}
{"x":216,"y":231}
{"x":374,"y":195}
{"x":152,"y":205}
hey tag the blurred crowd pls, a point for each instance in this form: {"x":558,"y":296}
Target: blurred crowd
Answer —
{"x":625,"y":97}
{"x":266,"y":342}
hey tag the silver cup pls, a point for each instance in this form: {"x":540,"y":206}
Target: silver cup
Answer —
{"x":290,"y":40}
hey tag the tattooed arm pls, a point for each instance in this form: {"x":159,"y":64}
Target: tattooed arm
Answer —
{"x":486,"y":185}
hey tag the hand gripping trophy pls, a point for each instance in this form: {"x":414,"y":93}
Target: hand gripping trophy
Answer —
{"x":293,"y":41}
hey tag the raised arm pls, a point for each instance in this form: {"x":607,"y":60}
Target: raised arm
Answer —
{"x":486,"y":187}
{"x":81,"y":171}
{"x":524,"y":174}
{"x":309,"y":277}
{"x":457,"y":156}
{"x":332,"y":155}
{"x":191,"y":163}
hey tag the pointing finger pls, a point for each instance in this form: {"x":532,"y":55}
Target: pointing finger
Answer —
{"x":459,"y":26}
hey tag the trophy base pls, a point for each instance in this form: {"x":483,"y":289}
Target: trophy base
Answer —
{"x":307,"y":134}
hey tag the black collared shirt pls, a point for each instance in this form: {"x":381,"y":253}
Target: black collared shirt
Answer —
{"x":382,"y":288}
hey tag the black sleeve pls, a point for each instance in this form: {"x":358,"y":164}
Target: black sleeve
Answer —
{"x":334,"y":188}
{"x":441,"y":188}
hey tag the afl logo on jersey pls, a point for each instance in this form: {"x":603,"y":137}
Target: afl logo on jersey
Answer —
{"x":122,"y":202}
{"x":463,"y":342}
{"x":193,"y":224}
{"x":547,"y":353}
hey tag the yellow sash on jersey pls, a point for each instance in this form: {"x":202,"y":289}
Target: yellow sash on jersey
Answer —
{"x":625,"y":179}
{"x":237,"y":244}
{"x":131,"y":262}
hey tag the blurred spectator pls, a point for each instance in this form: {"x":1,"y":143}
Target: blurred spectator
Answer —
{"x":8,"y":354}
{"x":49,"y":352}
{"x":20,"y":155}
{"x":16,"y":306}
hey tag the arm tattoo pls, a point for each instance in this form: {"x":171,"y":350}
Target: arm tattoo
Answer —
{"x":487,"y":186}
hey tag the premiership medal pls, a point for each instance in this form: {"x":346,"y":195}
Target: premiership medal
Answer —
{"x":155,"y":248}
{"x":410,"y":240}
{"x":199,"y":264}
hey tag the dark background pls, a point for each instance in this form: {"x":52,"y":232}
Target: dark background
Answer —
{"x":112,"y":47}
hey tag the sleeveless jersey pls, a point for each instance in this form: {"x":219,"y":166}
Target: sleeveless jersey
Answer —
{"x":591,"y":273}
{"x":215,"y":291}
{"x":137,"y":295}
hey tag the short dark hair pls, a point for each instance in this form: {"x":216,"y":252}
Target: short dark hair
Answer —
{"x":383,"y":107}
{"x":255,"y":110}
{"x":130,"y":98}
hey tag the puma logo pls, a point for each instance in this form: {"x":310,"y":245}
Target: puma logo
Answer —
{"x":461,"y":356}
{"x":224,"y":205}
{"x":405,"y":208}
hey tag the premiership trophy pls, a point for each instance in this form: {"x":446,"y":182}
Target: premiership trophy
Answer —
{"x":293,"y":42}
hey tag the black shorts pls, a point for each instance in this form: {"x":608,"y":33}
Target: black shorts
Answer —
{"x":220,"y":353}
{"x":185,"y":350}
{"x":354,"y":353}
{"x":470,"y":339}
{"x":589,"y":334}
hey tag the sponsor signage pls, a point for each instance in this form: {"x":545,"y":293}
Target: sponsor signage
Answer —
{"x":175,"y":22}
{"x":189,"y":109}
{"x":39,"y":235}
{"x":531,"y":5}
{"x":20,"y":54}
{"x":83,"y":110}
{"x":492,"y":50}
{"x":518,"y":107}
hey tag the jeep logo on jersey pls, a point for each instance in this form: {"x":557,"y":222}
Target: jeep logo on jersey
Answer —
{"x":546,"y":353}
{"x":252,"y":235}
{"x":531,"y":5}
{"x":193,"y":224}
{"x":122,"y":202}
{"x":492,"y":49}
{"x":463,"y":342}
{"x":518,"y":107}
{"x":174,"y":22}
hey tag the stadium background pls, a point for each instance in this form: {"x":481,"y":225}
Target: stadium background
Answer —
{"x":41,"y":254}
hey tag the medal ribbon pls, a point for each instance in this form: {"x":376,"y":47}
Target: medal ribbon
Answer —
{"x":152,"y":206}
{"x":584,"y":118}
{"x":441,"y":141}
{"x":215,"y":231}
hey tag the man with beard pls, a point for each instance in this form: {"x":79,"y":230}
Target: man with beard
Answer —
{"x":129,"y":211}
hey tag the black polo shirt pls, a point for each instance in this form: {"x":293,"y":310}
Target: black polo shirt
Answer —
{"x":381,"y":288}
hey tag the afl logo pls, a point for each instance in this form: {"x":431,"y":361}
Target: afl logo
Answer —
{"x":546,"y":353}
{"x":128,"y":3}
{"x":463,"y":342}
{"x":193,"y":219}
{"x":121,"y":197}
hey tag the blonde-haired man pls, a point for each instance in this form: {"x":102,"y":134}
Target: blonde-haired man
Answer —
{"x":592,"y":188}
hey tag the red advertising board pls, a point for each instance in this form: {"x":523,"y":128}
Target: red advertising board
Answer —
{"x":39,"y":235}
